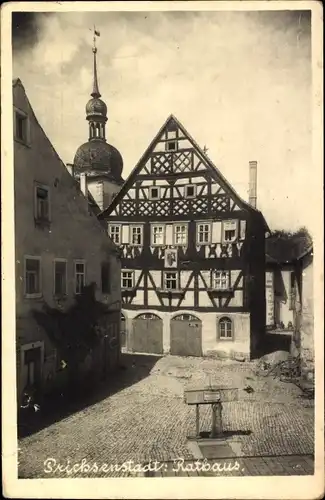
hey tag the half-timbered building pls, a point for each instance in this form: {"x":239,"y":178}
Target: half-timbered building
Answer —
{"x":193,"y":255}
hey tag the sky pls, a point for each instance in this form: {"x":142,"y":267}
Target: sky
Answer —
{"x":239,"y":82}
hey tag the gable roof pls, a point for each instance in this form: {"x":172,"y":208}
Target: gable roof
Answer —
{"x":223,"y":181}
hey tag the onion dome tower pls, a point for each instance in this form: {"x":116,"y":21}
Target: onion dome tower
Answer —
{"x":100,"y":161}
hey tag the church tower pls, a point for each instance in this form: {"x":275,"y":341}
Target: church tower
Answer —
{"x":100,"y":162}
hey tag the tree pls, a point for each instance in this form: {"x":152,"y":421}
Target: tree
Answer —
{"x":75,"y":332}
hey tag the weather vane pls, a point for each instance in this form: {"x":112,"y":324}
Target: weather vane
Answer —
{"x":96,"y":34}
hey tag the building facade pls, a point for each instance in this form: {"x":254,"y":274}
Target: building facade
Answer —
{"x":61,"y":248}
{"x":289,"y":293}
{"x":192,"y":251}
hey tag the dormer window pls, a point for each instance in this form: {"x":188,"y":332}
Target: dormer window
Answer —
{"x":171,"y":146}
{"x":190,"y":191}
{"x":154,"y":193}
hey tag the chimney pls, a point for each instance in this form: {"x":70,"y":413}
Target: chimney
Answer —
{"x":252,"y":183}
{"x":70,"y":168}
{"x":83,"y":184}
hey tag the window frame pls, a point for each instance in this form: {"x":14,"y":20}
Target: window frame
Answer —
{"x":186,"y":195}
{"x":65,"y":293}
{"x":213,"y":279}
{"x":164,"y":280}
{"x":75,"y":262}
{"x":180,"y":224}
{"x":152,"y":243}
{"x":153,"y":198}
{"x":203,"y":223}
{"x":37,"y":218}
{"x":171,"y":141}
{"x":130,"y":271}
{"x":136,"y":226}
{"x":223,"y":230}
{"x":119,"y":226}
{"x":39,"y":294}
{"x":22,"y":114}
{"x":229,"y":320}
{"x":108,"y":264}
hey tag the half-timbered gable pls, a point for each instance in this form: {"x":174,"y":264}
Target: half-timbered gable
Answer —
{"x":189,"y":242}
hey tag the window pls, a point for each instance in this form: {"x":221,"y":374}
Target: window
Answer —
{"x":105,"y":277}
{"x":127,"y":279}
{"x":171,"y":146}
{"x":33,"y":277}
{"x":42,"y":204}
{"x":170,"y":281}
{"x":229,"y":231}
{"x":115,"y":233}
{"x":21,"y":126}
{"x":154,"y":193}
{"x":225,"y":329}
{"x":203,"y":233}
{"x":80,"y":276}
{"x":32,"y":362}
{"x":60,"y":277}
{"x":136,"y":235}
{"x":190,"y":191}
{"x":180,"y":234}
{"x":221,"y":280}
{"x":158,"y":235}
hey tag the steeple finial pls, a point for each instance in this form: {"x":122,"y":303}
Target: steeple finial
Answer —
{"x":95,"y":93}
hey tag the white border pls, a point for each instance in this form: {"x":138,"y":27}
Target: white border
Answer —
{"x":297,"y":487}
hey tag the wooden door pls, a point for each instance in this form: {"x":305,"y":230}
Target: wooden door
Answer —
{"x":186,"y":335}
{"x":147,"y":334}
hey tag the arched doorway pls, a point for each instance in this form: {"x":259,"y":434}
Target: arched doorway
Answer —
{"x":186,"y":335}
{"x":147,"y":334}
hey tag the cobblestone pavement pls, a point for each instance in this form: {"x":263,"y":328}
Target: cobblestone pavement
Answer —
{"x":148,"y":420}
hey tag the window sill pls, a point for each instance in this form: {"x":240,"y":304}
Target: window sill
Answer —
{"x":33,"y":295}
{"x":22,"y":142}
{"x":175,"y":291}
{"x":42,"y":222}
{"x":221,"y":291}
{"x":128,"y":292}
{"x":222,"y":339}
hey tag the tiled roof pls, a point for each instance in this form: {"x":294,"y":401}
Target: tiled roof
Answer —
{"x":284,"y":247}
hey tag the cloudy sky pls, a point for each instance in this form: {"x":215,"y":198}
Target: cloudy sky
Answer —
{"x":240,"y":82}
